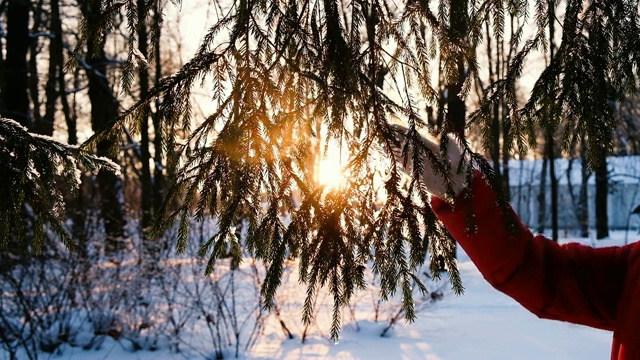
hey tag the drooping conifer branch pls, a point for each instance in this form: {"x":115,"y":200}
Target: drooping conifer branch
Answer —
{"x":276,"y":68}
{"x":34,"y":168}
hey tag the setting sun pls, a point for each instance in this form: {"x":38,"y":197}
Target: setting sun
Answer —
{"x":331,"y":167}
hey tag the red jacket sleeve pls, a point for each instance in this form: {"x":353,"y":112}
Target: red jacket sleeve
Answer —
{"x":572,"y":282}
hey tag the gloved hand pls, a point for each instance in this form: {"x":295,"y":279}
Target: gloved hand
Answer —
{"x":434,"y":181}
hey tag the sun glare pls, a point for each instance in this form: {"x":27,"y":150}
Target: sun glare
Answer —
{"x":333,"y":170}
{"x":331,"y":167}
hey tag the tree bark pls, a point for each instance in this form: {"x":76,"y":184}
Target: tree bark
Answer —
{"x":506,"y":156}
{"x":158,"y":169}
{"x":456,"y":109}
{"x":551,"y":155}
{"x":151,"y":246}
{"x":553,"y":181}
{"x":143,"y":73}
{"x":104,"y":108}
{"x":583,"y":214}
{"x":15,"y":95}
{"x":455,"y":104}
{"x":34,"y":80}
{"x":602,"y":193}
{"x":542,"y":196}
{"x":69,"y":110}
{"x":54,"y":88}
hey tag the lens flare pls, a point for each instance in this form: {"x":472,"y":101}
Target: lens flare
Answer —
{"x":331,"y":173}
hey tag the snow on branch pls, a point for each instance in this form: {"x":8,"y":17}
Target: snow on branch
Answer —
{"x":35,"y":171}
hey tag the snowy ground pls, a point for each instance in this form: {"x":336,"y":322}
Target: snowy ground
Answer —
{"x":481,"y":324}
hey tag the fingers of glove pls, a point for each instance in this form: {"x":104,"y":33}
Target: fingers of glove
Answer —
{"x":398,"y":146}
{"x":458,"y":165}
{"x":403,"y":149}
{"x":434,"y":182}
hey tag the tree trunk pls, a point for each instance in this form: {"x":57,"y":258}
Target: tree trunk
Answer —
{"x":2,"y":68}
{"x":583,"y":214}
{"x":506,"y":125}
{"x":53,"y":88}
{"x":143,"y":73}
{"x":456,"y":108}
{"x":104,"y":108}
{"x":56,"y":88}
{"x":553,"y":180}
{"x":15,"y":96}
{"x":495,"y":141}
{"x":602,"y":193}
{"x":69,"y":110}
{"x":506,"y":156}
{"x":550,"y":136}
{"x":146,"y":205}
{"x":34,"y":80}
{"x":158,"y":169}
{"x":438,"y":122}
{"x":455,"y":104}
{"x":498,"y":67}
{"x":542,"y":196}
{"x":495,"y":117}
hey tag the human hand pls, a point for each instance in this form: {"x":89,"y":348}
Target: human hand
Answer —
{"x":433,"y":176}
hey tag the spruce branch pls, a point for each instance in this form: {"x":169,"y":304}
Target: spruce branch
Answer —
{"x":34,"y":168}
{"x":281,"y":71}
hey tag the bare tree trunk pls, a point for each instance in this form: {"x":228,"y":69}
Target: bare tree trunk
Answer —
{"x":495,"y":123}
{"x":53,"y":88}
{"x":602,"y":192}
{"x":456,"y":121}
{"x":553,"y":180}
{"x":104,"y":108}
{"x":69,"y":111}
{"x":506,"y":156}
{"x":506,"y":125}
{"x":583,"y":214}
{"x":602,"y":179}
{"x":455,"y":104}
{"x":15,"y":96}
{"x":550,"y":137}
{"x":436,"y":123}
{"x":3,"y":6}
{"x":158,"y":169}
{"x":146,"y":207}
{"x":498,"y":60}
{"x":34,"y":80}
{"x":542,"y":196}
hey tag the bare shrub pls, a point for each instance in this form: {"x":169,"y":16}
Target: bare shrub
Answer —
{"x":66,"y":299}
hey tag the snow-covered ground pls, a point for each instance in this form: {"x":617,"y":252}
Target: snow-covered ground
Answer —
{"x":481,"y":324}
